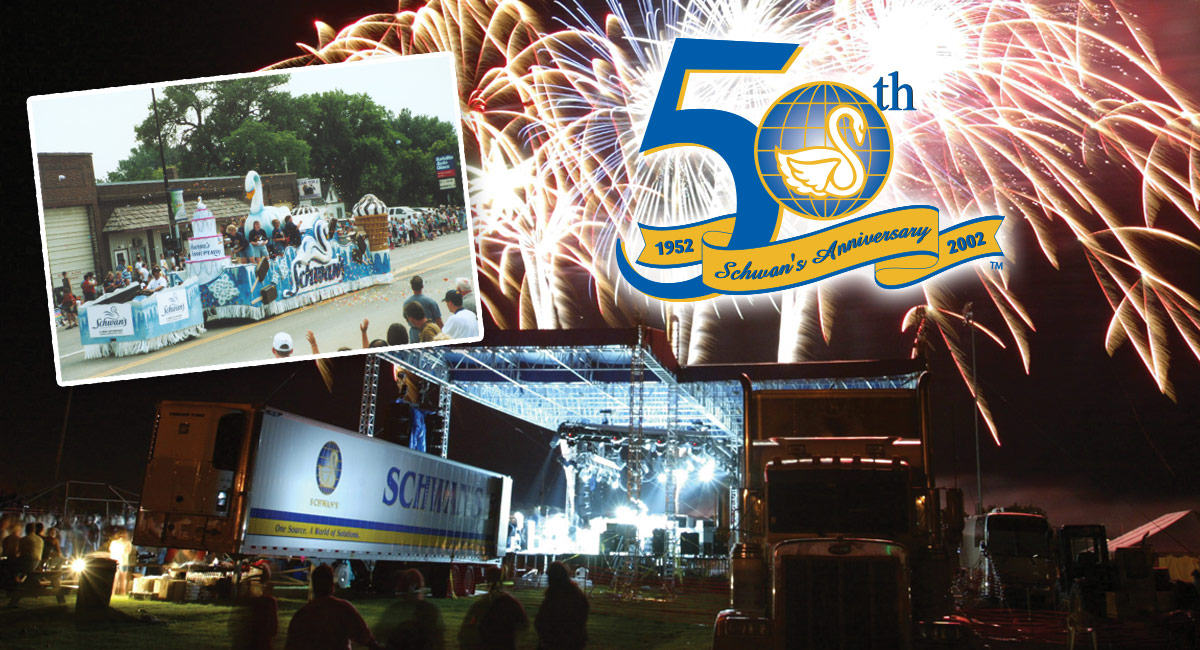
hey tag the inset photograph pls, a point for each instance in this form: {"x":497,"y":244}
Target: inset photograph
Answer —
{"x":235,"y":220}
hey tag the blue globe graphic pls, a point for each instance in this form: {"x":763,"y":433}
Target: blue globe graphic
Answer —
{"x":799,"y":120}
{"x":329,"y":467}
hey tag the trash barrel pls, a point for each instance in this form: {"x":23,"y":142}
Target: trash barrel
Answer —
{"x":96,"y":584}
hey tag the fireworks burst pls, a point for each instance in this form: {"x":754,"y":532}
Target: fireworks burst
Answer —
{"x":1025,"y":110}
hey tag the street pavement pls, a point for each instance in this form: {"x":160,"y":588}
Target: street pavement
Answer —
{"x":334,"y":322}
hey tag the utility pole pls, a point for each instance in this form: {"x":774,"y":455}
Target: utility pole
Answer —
{"x":162,"y":159}
{"x":969,"y":319}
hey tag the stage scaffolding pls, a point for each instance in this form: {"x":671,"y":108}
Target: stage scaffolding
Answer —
{"x":627,"y":380}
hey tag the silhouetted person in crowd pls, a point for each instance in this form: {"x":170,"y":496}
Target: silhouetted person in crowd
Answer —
{"x":411,"y":623}
{"x":30,"y":549}
{"x":52,"y":554}
{"x":326,"y":622}
{"x":10,"y":532}
{"x":495,"y":620}
{"x":561,"y":621}
{"x":255,"y":622}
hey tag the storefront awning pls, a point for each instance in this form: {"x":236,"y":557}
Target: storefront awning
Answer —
{"x":154,"y":215}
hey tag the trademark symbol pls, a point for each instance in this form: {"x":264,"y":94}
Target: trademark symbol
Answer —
{"x":897,"y":87}
{"x":997,"y":266}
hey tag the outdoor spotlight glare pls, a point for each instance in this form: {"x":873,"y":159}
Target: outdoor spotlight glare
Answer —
{"x":77,"y":565}
{"x":707,"y":471}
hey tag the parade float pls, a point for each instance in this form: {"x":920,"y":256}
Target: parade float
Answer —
{"x":321,"y":267}
{"x":212,"y":286}
{"x":127,"y":322}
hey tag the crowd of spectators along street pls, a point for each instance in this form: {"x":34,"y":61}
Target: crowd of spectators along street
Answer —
{"x":426,"y":225}
{"x":146,"y":278}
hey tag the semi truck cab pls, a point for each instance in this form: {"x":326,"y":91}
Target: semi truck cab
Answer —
{"x":844,"y":540}
{"x":1009,"y":556}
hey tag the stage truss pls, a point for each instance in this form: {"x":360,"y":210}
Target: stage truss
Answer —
{"x":627,"y":382}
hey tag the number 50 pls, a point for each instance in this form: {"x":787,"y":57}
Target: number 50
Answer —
{"x":730,"y":136}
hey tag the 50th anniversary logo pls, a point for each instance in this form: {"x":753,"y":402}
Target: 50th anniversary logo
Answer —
{"x":822,"y":151}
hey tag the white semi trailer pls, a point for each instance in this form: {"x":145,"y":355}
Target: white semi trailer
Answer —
{"x":253,"y":481}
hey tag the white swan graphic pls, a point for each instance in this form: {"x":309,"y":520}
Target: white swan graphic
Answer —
{"x":314,"y":248}
{"x":827,"y":171}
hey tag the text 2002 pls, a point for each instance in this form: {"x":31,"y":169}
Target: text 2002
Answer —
{"x":963,"y":243}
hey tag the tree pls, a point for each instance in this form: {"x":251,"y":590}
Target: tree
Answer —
{"x":225,"y":128}
{"x":197,"y":119}
{"x":351,"y":142}
{"x":143,"y":164}
{"x":253,"y":145}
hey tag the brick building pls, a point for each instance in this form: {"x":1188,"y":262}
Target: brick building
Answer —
{"x":70,"y":209}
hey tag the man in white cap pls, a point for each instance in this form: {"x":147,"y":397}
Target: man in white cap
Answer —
{"x":282,"y":347}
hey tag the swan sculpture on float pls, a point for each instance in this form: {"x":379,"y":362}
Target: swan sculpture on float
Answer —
{"x":259,"y":212}
{"x":827,"y":171}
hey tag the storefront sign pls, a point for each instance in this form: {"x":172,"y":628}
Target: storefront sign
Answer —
{"x":310,"y":188}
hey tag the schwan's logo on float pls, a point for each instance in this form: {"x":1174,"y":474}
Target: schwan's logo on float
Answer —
{"x":110,"y":320}
{"x":822,"y":151}
{"x":329,"y":468}
{"x":172,"y":305}
{"x":316,"y":264}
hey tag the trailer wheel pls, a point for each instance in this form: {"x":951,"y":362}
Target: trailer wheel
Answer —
{"x":468,"y":580}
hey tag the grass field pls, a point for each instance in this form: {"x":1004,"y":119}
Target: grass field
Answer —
{"x":40,"y":623}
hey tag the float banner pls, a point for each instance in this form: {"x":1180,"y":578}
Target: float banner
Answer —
{"x":903,"y":244}
{"x":172,"y":305}
{"x":110,"y":320}
{"x":205,"y":249}
{"x":177,"y":205}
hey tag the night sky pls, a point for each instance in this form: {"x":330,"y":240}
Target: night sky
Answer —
{"x":1085,"y":435}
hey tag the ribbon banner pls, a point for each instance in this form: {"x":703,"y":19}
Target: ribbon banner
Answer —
{"x":903,"y":244}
